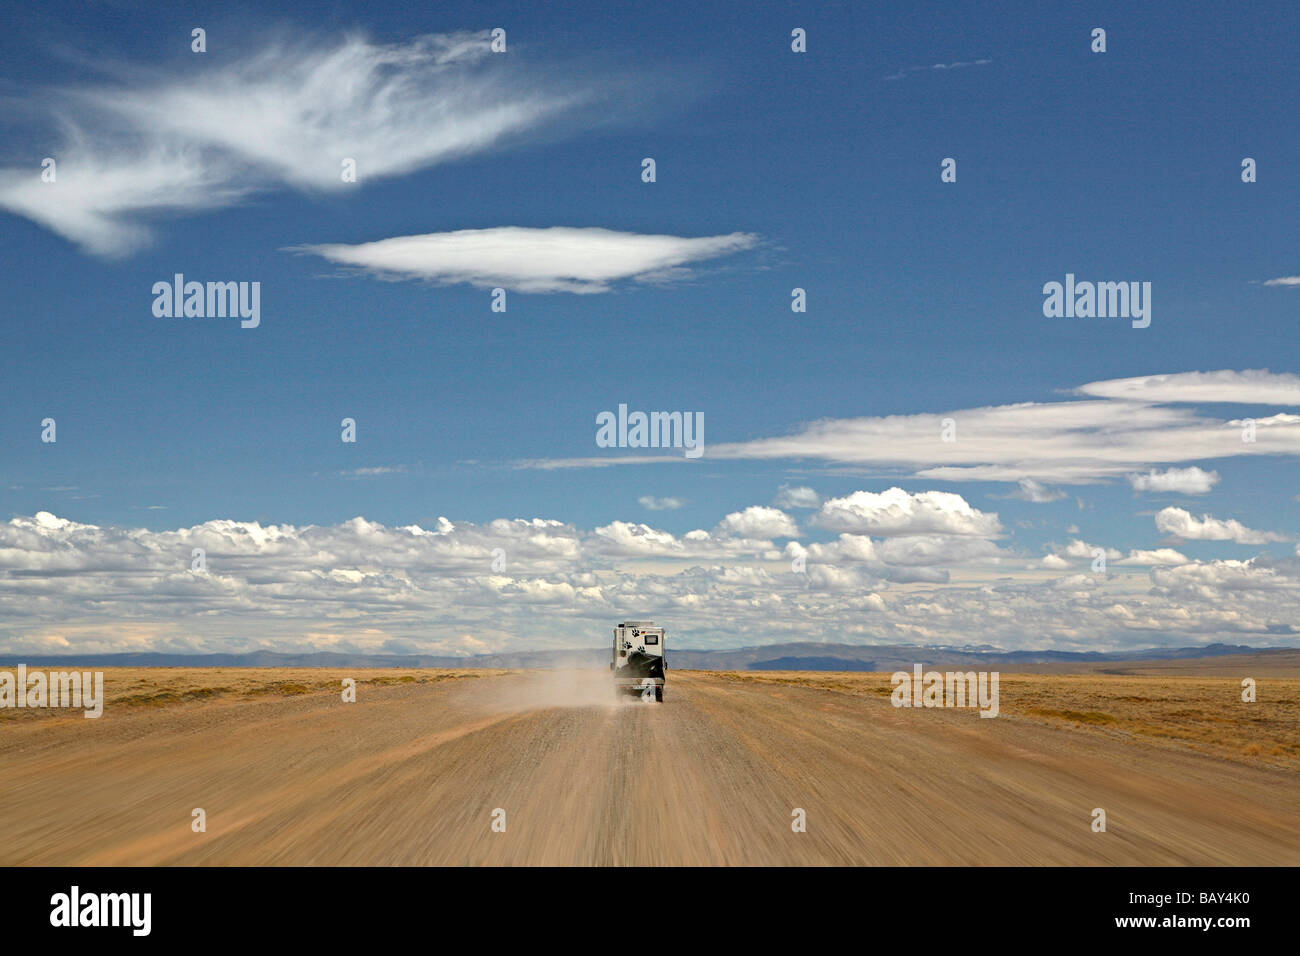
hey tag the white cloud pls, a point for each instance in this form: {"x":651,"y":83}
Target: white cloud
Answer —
{"x":556,"y":259}
{"x":1185,"y":481}
{"x":1250,"y":386}
{"x":896,"y":512}
{"x":901,"y":559}
{"x":1160,"y":556}
{"x":1036,"y":492}
{"x":651,"y":503}
{"x":1283,"y":281}
{"x":297,"y":111}
{"x":850,"y":548}
{"x":637,"y":538}
{"x":1068,"y":442}
{"x":934,"y":550}
{"x":375,"y":471}
{"x":1085,"y":551}
{"x":799,"y":496}
{"x":361,"y":586}
{"x":1208,"y":580}
{"x":1182,"y":524}
{"x":958,"y":65}
{"x":103,"y":195}
{"x":284,"y":114}
{"x":758,"y":522}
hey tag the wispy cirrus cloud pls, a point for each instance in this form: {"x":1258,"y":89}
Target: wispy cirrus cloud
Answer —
{"x":374,"y":471}
{"x":284,"y":115}
{"x":1036,"y":492}
{"x":105,"y":195}
{"x":958,"y":65}
{"x":798,"y":496}
{"x":1124,"y":426}
{"x":295,"y":112}
{"x":556,"y":259}
{"x":651,"y":503}
{"x":1245,"y":387}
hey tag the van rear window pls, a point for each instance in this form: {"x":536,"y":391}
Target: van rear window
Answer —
{"x":652,"y":638}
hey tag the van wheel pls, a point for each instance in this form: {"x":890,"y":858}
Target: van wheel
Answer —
{"x":659,"y":695}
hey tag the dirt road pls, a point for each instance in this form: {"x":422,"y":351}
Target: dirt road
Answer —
{"x":412,"y":774}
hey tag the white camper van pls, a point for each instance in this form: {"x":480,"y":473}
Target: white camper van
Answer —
{"x":640,"y":661}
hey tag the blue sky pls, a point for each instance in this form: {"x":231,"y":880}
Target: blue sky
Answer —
{"x":924,"y":302}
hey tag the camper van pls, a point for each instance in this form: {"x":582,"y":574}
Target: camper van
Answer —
{"x":640,"y":660}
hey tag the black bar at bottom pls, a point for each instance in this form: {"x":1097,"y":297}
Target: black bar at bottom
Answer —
{"x":952,"y":906}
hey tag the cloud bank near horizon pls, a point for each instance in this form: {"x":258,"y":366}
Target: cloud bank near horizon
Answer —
{"x":906,"y":568}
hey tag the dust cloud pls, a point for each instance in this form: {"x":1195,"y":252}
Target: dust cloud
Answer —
{"x":560,"y":687}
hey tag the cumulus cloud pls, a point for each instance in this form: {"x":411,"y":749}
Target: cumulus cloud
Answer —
{"x":1082,"y":550}
{"x":459,"y":587}
{"x":902,"y":559}
{"x":556,"y":259}
{"x":1208,"y":580}
{"x":758,"y":522}
{"x":1183,"y":524}
{"x":1183,"y":481}
{"x":281,"y":115}
{"x":637,"y":538}
{"x":897,"y":512}
{"x":934,"y":550}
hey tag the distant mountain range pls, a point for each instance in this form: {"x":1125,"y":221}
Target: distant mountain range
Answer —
{"x":797,"y":656}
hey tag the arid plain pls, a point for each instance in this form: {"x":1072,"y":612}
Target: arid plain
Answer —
{"x":419,"y":767}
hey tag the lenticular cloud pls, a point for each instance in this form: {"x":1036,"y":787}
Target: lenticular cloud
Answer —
{"x":558,"y":259}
